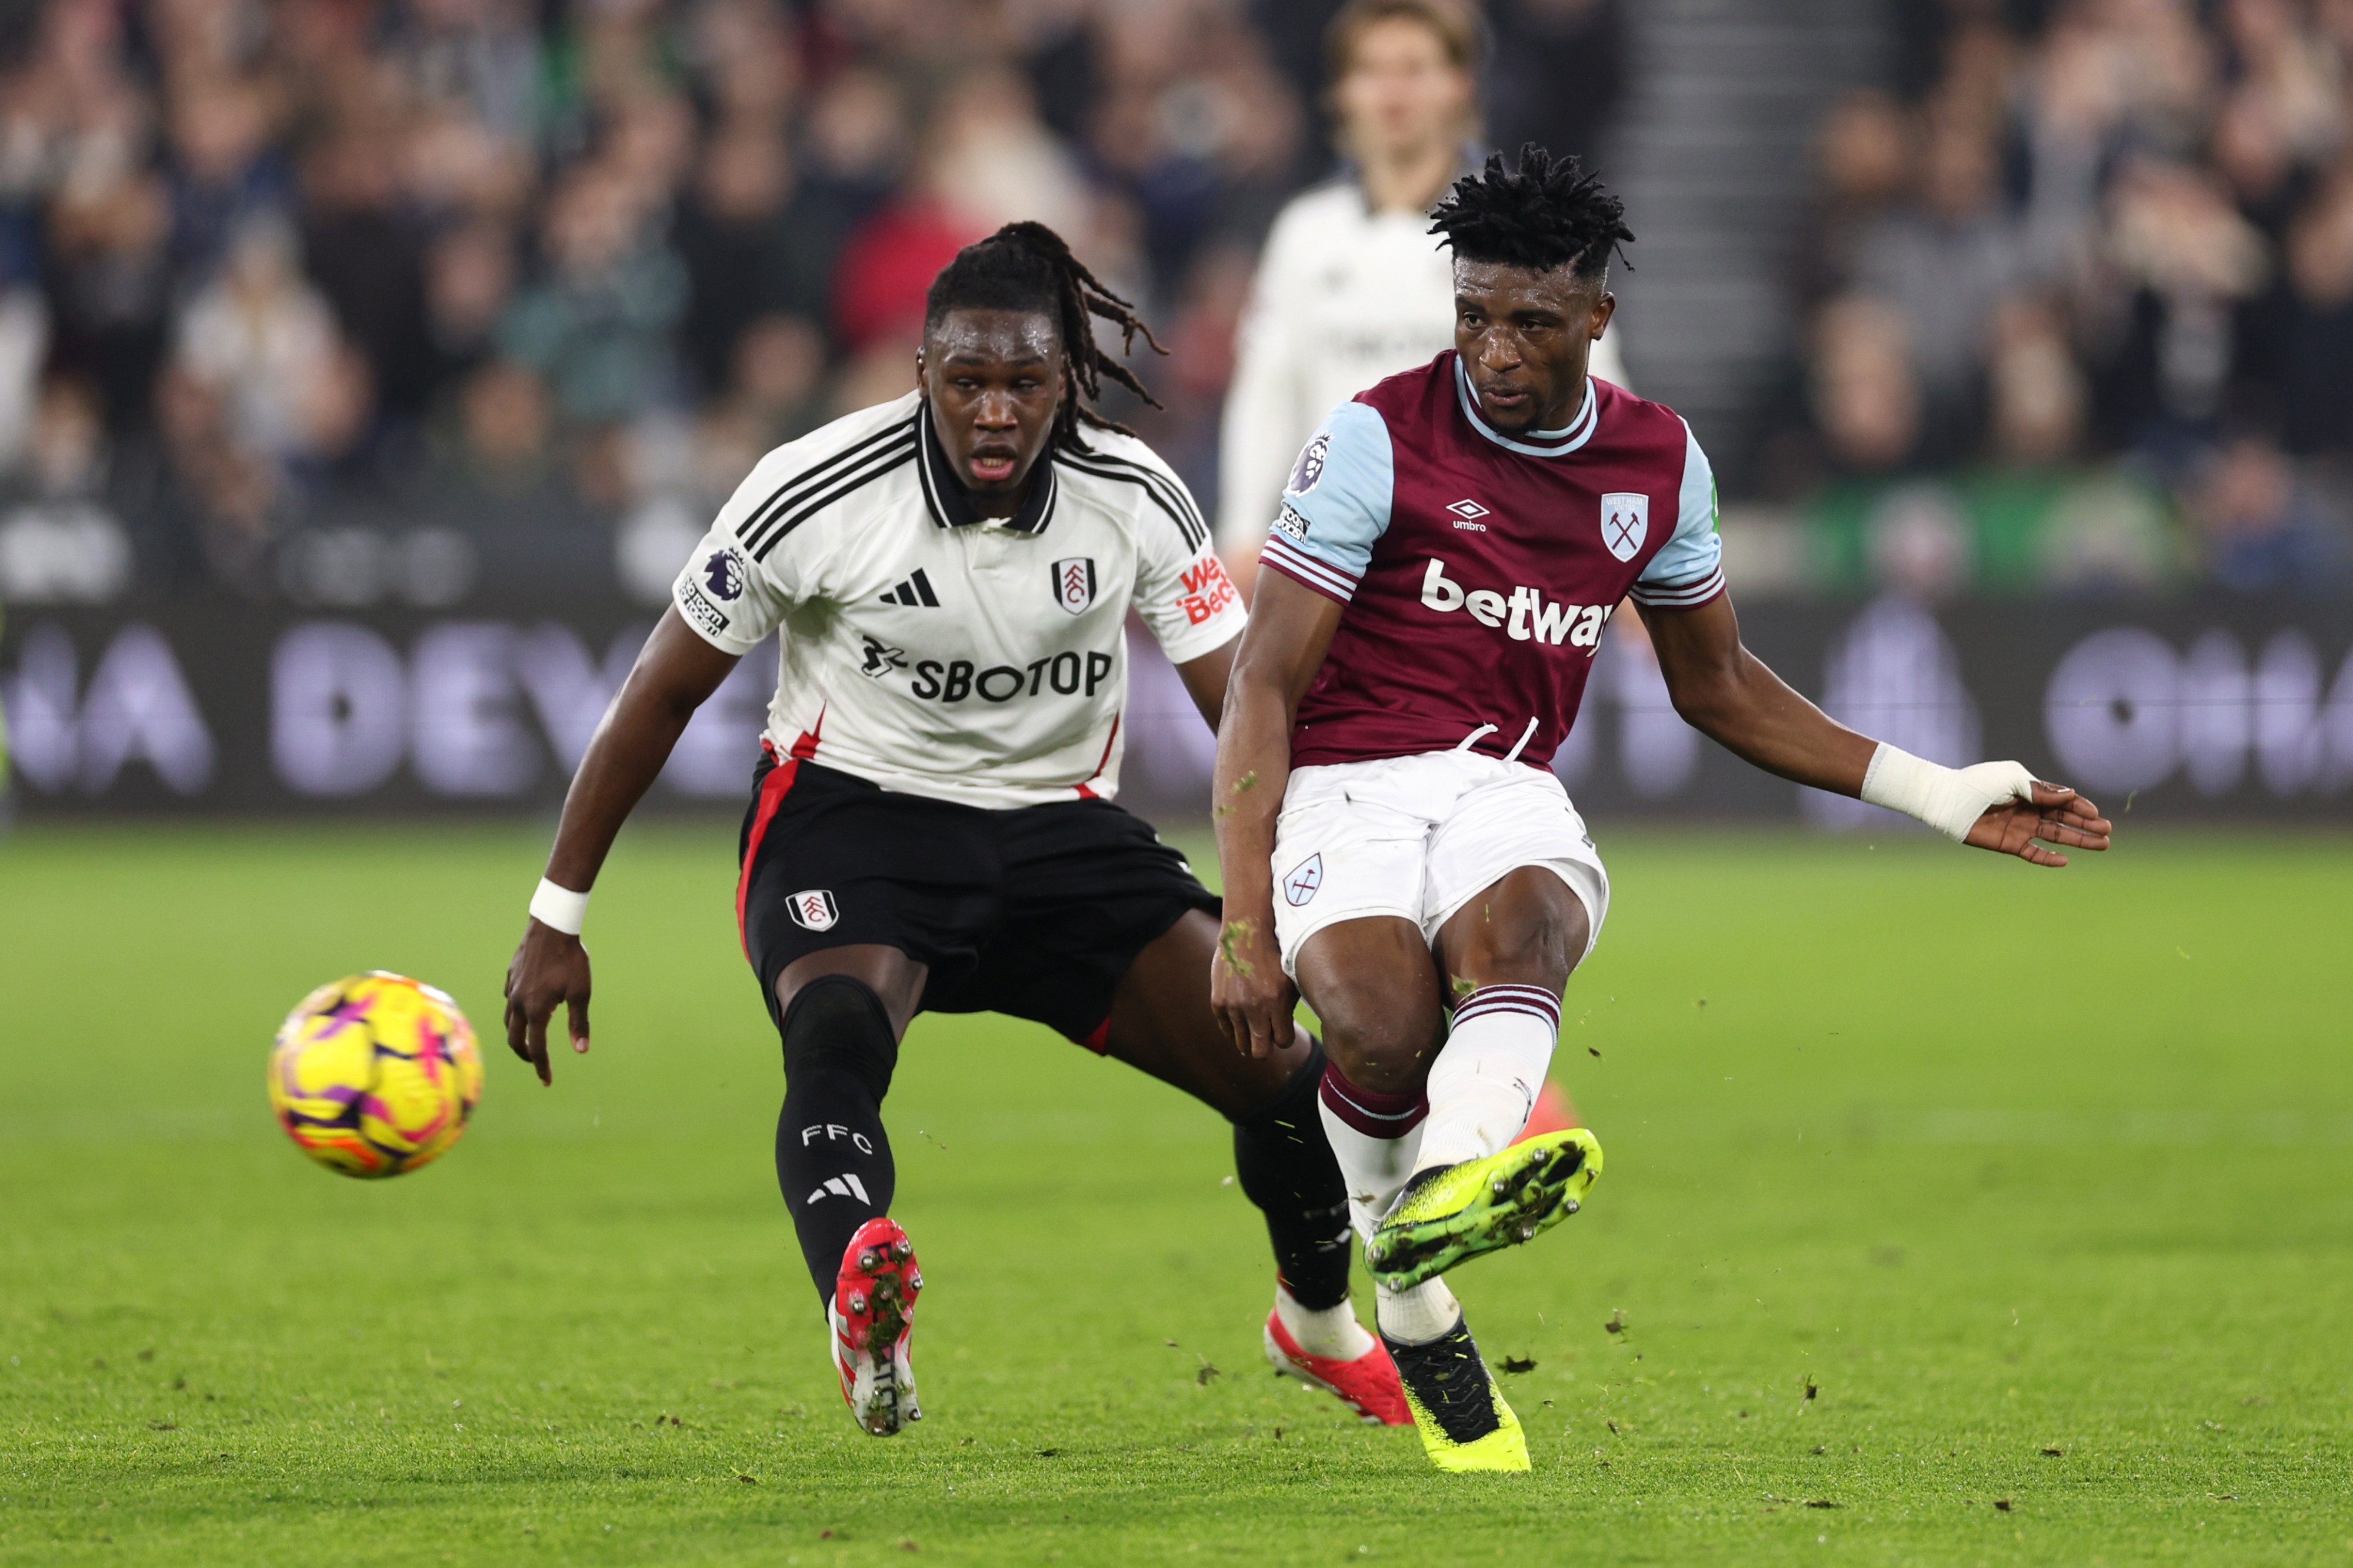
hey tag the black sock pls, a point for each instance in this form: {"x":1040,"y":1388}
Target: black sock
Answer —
{"x":1286,"y":1168}
{"x":833,"y":1159}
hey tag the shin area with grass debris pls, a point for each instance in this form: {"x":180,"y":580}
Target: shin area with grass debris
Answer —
{"x":1956,"y":1212}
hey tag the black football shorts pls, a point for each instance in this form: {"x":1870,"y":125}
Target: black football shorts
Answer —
{"x":1033,"y":910}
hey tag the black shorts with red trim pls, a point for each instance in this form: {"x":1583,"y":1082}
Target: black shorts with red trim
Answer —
{"x":1034,"y":910}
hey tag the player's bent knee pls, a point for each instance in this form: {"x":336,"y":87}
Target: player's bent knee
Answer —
{"x":1376,"y":1041}
{"x":1533,"y":932}
{"x":837,"y":1023}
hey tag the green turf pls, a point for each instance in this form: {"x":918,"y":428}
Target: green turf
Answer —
{"x":2040,"y":1182}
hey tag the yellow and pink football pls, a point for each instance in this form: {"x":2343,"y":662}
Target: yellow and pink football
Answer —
{"x":375,"y":1074}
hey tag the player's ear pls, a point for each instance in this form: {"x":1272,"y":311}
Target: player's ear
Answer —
{"x":1603,"y":309}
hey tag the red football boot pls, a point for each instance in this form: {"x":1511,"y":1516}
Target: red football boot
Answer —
{"x":1368,"y":1384}
{"x":874,"y":1317}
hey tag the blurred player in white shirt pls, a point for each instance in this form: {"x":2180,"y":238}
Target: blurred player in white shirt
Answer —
{"x":1352,"y":286}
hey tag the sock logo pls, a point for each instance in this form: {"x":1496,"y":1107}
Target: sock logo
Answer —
{"x":1304,"y":879}
{"x":848,"y":1186}
{"x":813,"y":908}
{"x":833,"y":1129}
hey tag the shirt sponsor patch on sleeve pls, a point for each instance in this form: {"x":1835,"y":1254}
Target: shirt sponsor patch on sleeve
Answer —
{"x":1291,"y":522}
{"x":701,"y":611}
{"x":1205,"y":589}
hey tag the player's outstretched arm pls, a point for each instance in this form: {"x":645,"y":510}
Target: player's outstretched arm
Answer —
{"x":1290,"y":629}
{"x":675,"y":674}
{"x":1726,"y":693}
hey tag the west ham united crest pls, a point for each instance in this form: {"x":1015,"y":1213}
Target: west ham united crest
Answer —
{"x":1304,"y":879}
{"x":1074,"y":583}
{"x":812,"y":910}
{"x":1625,"y":522}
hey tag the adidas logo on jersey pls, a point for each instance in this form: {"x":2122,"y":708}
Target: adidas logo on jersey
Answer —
{"x":915,"y":590}
{"x":1523,"y":615}
{"x":848,"y":1186}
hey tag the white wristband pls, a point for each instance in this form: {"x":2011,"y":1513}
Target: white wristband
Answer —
{"x":559,"y":908}
{"x":1950,"y":800}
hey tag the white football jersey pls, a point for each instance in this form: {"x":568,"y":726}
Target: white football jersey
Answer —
{"x":938,"y":653}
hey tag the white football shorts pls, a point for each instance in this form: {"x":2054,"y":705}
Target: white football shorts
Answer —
{"x":1419,"y":838}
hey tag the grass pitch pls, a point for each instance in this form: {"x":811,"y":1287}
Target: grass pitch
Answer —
{"x":1955,"y":1212}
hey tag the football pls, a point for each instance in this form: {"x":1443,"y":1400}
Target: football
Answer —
{"x":375,"y":1074}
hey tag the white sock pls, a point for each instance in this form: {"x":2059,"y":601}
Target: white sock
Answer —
{"x":1487,"y":1075}
{"x":1417,"y":1315}
{"x":1331,"y":1332}
{"x":1376,"y":1167}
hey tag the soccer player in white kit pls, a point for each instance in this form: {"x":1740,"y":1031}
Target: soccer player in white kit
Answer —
{"x":931,"y":828}
{"x":1350,"y":285}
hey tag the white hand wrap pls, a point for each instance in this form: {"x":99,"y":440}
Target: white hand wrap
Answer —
{"x":559,"y":908}
{"x":1950,"y":800}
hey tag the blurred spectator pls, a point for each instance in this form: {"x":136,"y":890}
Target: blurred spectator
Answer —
{"x":746,"y":255}
{"x":264,"y":342}
{"x":2261,"y":528}
{"x":597,"y":323}
{"x":58,"y":541}
{"x":1558,"y":74}
{"x":1866,"y":394}
{"x":469,"y":282}
{"x":1942,"y":263}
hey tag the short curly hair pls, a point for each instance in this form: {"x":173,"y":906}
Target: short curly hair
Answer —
{"x":1546,"y":213}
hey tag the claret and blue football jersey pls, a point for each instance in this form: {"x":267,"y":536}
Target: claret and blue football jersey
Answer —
{"x":1479,"y":568}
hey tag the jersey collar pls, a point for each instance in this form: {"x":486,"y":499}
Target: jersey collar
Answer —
{"x":1533,"y":443}
{"x":950,"y":506}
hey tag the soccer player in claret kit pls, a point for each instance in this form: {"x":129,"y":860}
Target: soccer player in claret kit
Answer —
{"x":1451,"y":543}
{"x":931,"y":824}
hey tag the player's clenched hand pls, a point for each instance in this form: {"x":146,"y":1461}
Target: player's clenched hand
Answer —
{"x":1248,"y":992}
{"x":549,"y":968}
{"x":2057,"y":816}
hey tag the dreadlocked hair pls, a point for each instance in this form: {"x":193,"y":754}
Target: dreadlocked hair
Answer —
{"x":1027,"y":266}
{"x":1544,"y":213}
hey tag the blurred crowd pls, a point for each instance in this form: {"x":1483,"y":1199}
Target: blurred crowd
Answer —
{"x":350,"y":300}
{"x":325,"y":296}
{"x":2090,"y":230}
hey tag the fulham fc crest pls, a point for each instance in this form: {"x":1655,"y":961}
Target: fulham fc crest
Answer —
{"x":1074,"y":583}
{"x":1625,"y":522}
{"x":812,"y":910}
{"x":1304,"y":879}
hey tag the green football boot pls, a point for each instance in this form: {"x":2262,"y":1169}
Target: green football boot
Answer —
{"x":1464,"y":1423}
{"x":1460,"y":1211}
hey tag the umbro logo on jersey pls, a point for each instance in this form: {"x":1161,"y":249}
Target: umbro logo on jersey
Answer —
{"x":843,"y":1186}
{"x":1467,"y":509}
{"x":723,"y":575}
{"x":1074,"y":583}
{"x":881,"y":658}
{"x":1625,"y":522}
{"x":813,"y":908}
{"x":915,"y":590}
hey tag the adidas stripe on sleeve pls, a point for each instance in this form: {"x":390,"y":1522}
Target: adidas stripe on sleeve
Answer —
{"x":1689,"y":569}
{"x":1337,"y":506}
{"x":738,"y":585}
